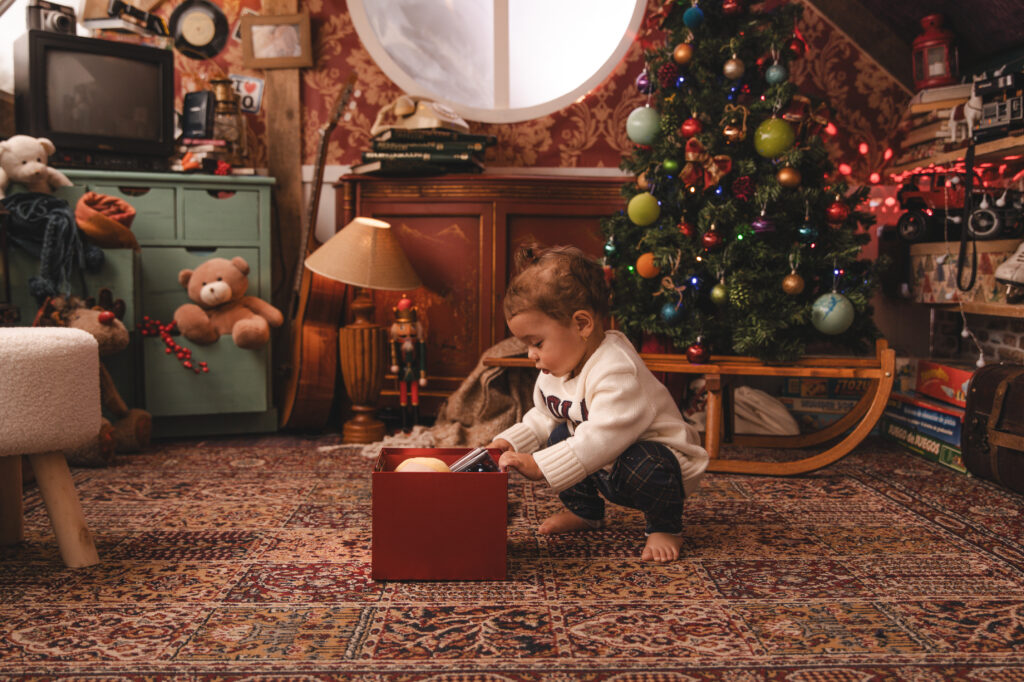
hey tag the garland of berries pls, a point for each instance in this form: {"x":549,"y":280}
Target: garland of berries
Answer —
{"x":151,"y":327}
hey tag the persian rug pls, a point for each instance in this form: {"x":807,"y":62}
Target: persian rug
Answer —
{"x":249,"y":559}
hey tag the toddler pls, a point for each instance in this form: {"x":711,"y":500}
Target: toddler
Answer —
{"x":602,"y":424}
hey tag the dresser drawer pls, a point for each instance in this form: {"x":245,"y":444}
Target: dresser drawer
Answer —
{"x":161,"y":292}
{"x":119,"y":274}
{"x":221,"y":217}
{"x":236,"y":382}
{"x":155,"y":209}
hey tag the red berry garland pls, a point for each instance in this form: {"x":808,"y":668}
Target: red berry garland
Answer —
{"x":151,"y":327}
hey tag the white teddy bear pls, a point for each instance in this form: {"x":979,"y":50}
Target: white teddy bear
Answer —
{"x":23,"y":160}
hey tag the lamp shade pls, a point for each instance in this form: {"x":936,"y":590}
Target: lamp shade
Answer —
{"x":365,"y":253}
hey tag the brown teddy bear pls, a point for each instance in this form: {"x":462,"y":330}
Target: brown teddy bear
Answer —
{"x":221,"y":307}
{"x":23,"y":160}
{"x":132,"y":427}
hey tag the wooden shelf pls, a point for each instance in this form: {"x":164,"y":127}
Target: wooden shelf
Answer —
{"x":993,"y":150}
{"x":991,"y":309}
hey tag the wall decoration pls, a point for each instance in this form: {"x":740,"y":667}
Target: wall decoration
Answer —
{"x":250,"y":93}
{"x":276,"y":42}
{"x":199,"y":29}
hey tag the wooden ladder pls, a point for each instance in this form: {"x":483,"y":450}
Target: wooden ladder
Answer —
{"x":880,"y":369}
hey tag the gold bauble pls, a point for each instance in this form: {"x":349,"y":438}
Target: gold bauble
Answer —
{"x":734,"y":68}
{"x":682,"y":54}
{"x":645,"y":266}
{"x":641,"y":181}
{"x":789,"y":177}
{"x":793,"y":284}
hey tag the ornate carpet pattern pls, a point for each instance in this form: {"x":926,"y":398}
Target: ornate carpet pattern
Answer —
{"x":250,"y":559}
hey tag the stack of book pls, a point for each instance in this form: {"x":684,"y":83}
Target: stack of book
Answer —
{"x":925,"y":129}
{"x":424,"y":151}
{"x":200,"y":153}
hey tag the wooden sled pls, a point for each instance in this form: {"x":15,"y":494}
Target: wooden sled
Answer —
{"x":880,"y":369}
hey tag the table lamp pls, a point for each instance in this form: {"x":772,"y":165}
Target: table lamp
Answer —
{"x":366,"y":254}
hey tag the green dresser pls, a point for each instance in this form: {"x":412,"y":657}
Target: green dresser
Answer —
{"x":182,"y":220}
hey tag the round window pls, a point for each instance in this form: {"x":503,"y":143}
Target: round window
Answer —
{"x":497,"y":61}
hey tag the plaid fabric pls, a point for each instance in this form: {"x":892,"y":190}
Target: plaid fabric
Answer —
{"x":646,"y":477}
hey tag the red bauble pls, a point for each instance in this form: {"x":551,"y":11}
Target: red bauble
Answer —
{"x":837,"y":212}
{"x":796,"y":47}
{"x":731,"y":7}
{"x":690,"y":127}
{"x":698,"y":354}
{"x":711,"y":241}
{"x":687,"y":229}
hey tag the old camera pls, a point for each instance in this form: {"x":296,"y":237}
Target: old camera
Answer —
{"x":50,"y":16}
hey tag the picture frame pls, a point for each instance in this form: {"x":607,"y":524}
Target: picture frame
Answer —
{"x":276,"y":41}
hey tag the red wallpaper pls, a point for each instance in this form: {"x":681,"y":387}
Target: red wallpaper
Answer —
{"x":865,"y":101}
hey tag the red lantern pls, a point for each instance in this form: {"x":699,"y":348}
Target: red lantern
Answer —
{"x":935,"y":55}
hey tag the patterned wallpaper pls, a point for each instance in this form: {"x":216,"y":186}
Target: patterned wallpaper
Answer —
{"x":866,"y":103}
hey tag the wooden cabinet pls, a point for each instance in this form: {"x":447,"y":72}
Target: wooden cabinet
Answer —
{"x":461,"y":233}
{"x":182,"y":220}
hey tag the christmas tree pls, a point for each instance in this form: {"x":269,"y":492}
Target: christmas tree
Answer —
{"x":738,"y":237}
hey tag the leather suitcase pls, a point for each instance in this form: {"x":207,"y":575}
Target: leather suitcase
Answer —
{"x":993,"y":435}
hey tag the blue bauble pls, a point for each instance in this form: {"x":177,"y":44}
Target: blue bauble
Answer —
{"x":642,"y":125}
{"x":609,"y":248}
{"x":832,"y":313}
{"x":693,"y":17}
{"x":808,"y":233}
{"x":775,"y":74}
{"x":671,"y":313}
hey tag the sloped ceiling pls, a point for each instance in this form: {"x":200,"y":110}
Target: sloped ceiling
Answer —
{"x":987,"y":33}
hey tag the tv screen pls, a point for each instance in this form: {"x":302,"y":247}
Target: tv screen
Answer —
{"x":104,"y":104}
{"x":91,"y":94}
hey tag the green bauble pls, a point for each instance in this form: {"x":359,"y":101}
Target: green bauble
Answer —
{"x":643,"y":209}
{"x":832,"y":313}
{"x":719,"y":294}
{"x":642,"y":125}
{"x":773,"y":137}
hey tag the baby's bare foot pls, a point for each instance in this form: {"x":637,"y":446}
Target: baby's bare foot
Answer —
{"x":566,"y":522}
{"x":662,"y":547}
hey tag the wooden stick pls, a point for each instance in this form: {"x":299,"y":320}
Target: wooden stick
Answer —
{"x":12,"y":526}
{"x":73,"y":537}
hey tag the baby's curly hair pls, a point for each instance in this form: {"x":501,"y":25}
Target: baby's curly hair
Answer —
{"x":557,"y":282}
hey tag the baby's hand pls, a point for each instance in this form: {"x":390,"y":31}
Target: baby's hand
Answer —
{"x":522,"y":462}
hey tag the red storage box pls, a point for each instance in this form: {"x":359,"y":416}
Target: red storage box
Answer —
{"x":943,"y":381}
{"x":437,"y":526}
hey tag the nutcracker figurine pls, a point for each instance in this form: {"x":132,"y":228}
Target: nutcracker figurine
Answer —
{"x":408,"y":360}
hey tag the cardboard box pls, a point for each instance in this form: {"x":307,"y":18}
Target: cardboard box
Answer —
{"x":824,"y":387}
{"x":932,"y":418}
{"x":921,"y":444}
{"x":933,"y":271}
{"x":814,"y":414}
{"x":944,"y":381}
{"x":437,"y":526}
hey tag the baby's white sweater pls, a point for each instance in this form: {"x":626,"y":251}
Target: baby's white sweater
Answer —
{"x":612,"y":403}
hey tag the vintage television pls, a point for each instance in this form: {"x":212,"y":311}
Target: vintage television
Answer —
{"x":104,"y":104}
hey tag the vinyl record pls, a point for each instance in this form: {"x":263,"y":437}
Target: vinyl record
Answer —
{"x":200,"y":29}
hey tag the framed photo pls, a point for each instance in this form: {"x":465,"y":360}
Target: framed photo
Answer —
{"x":276,"y":42}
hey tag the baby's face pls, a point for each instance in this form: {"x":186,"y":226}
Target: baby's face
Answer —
{"x":553,"y":346}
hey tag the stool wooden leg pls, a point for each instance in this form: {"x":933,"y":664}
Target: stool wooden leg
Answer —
{"x":12,"y":527}
{"x":58,"y":491}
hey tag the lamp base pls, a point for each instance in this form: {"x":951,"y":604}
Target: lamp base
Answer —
{"x":363,"y":427}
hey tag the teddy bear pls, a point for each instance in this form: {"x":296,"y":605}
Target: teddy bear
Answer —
{"x":23,"y":160}
{"x":132,"y":428}
{"x":217,"y":287}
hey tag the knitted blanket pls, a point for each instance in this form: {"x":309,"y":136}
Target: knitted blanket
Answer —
{"x":45,"y":226}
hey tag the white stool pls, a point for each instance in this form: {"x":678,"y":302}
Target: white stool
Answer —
{"x":49,"y":402}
